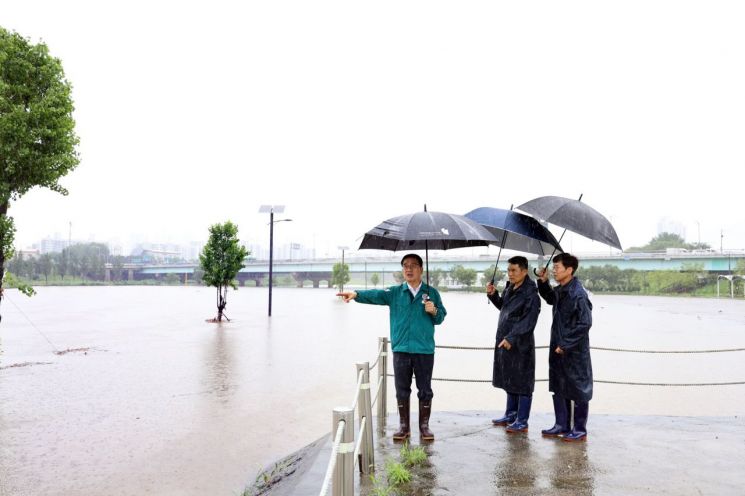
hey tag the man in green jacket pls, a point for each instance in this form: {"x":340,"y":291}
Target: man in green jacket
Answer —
{"x":415,"y":309}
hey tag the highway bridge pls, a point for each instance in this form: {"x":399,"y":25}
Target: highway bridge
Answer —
{"x":319,"y":270}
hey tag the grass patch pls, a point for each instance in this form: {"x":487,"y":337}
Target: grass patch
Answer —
{"x":412,"y":457}
{"x":396,"y":473}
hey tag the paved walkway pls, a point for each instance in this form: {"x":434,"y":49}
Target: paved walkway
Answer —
{"x":623,"y":456}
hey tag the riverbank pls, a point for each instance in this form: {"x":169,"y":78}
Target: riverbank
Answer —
{"x":624,"y":455}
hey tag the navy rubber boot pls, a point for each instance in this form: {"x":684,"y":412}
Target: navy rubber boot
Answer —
{"x":561,"y":411}
{"x":579,"y":431}
{"x":523,"y":413}
{"x":510,"y":413}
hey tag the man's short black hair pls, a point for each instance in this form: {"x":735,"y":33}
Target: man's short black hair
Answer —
{"x":415,"y":257}
{"x":520,"y":261}
{"x":567,"y":260}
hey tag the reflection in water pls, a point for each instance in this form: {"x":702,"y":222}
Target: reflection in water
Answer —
{"x":570,"y":469}
{"x":219,"y":365}
{"x":515,"y":471}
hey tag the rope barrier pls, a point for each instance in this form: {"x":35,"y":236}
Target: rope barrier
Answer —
{"x":56,"y":350}
{"x":380,"y":351}
{"x":667,"y":351}
{"x":359,"y":441}
{"x":357,"y":389}
{"x":692,"y":384}
{"x":736,"y":383}
{"x":332,"y":462}
{"x":623,"y":350}
{"x":380,"y":383}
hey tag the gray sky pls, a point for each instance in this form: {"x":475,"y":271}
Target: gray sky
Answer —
{"x":191,"y":113}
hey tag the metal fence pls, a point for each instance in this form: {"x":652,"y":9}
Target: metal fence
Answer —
{"x":345,"y":453}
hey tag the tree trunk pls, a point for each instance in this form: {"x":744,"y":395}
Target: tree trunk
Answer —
{"x":219,"y":301}
{"x":3,"y":213}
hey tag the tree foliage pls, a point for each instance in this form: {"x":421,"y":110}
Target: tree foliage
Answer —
{"x":37,"y":130}
{"x":221,"y":260}
{"x":436,"y":277}
{"x":488,"y":274}
{"x":667,"y":240}
{"x":340,"y":275}
{"x":462,"y":275}
{"x":375,"y":279}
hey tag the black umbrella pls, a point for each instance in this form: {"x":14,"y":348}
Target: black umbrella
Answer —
{"x":515,"y":231}
{"x":425,"y":230}
{"x":575,"y":216}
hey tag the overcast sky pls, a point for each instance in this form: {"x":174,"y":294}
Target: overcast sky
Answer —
{"x":348,"y":113}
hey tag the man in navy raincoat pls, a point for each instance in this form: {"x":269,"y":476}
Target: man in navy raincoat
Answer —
{"x":569,"y":364}
{"x":514,"y":350}
{"x":415,"y":309}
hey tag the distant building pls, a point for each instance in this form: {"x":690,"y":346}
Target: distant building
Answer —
{"x":192,"y":250}
{"x":53,"y":245}
{"x":28,"y":253}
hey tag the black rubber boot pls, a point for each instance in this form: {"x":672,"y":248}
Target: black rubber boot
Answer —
{"x":579,"y":431}
{"x":404,"y":430}
{"x":425,"y":410}
{"x":510,"y":412}
{"x":561,"y":427}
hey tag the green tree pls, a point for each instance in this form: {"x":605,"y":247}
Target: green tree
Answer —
{"x":398,"y":276}
{"x":221,"y":259}
{"x":375,"y":279}
{"x":667,"y":240}
{"x":436,"y":276}
{"x":340,"y":275}
{"x":740,"y":267}
{"x":489,"y":274}
{"x":46,"y":264}
{"x":117,"y":267}
{"x":37,"y":130}
{"x":463,"y":275}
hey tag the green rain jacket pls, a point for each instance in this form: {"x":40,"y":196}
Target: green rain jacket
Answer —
{"x":412,"y":329}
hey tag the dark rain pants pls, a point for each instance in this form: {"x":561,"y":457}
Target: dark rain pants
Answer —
{"x":407,"y":364}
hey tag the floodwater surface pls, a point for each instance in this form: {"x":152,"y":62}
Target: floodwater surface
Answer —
{"x":153,"y":399}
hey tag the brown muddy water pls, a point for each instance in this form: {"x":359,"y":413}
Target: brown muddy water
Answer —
{"x":151,"y":399}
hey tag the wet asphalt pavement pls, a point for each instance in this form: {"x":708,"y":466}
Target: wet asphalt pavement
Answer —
{"x":623,"y":455}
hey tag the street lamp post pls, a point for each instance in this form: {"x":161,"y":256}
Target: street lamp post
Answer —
{"x":271,"y":209}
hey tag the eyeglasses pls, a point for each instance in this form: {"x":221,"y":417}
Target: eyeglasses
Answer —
{"x":411,"y":266}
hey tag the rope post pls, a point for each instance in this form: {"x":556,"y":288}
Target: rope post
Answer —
{"x":343,"y":479}
{"x":364,"y":411}
{"x":383,"y":392}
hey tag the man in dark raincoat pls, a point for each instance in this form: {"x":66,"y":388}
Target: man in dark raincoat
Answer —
{"x":415,"y":309}
{"x":514,"y":350}
{"x":569,"y":364}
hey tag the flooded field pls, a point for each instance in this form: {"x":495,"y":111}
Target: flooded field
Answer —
{"x":151,"y":399}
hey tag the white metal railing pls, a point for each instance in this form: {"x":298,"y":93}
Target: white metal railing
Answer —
{"x":345,"y":453}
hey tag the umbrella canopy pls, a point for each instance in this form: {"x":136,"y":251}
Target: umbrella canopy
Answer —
{"x":515,"y":231}
{"x":427,"y":230}
{"x":574,"y":216}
